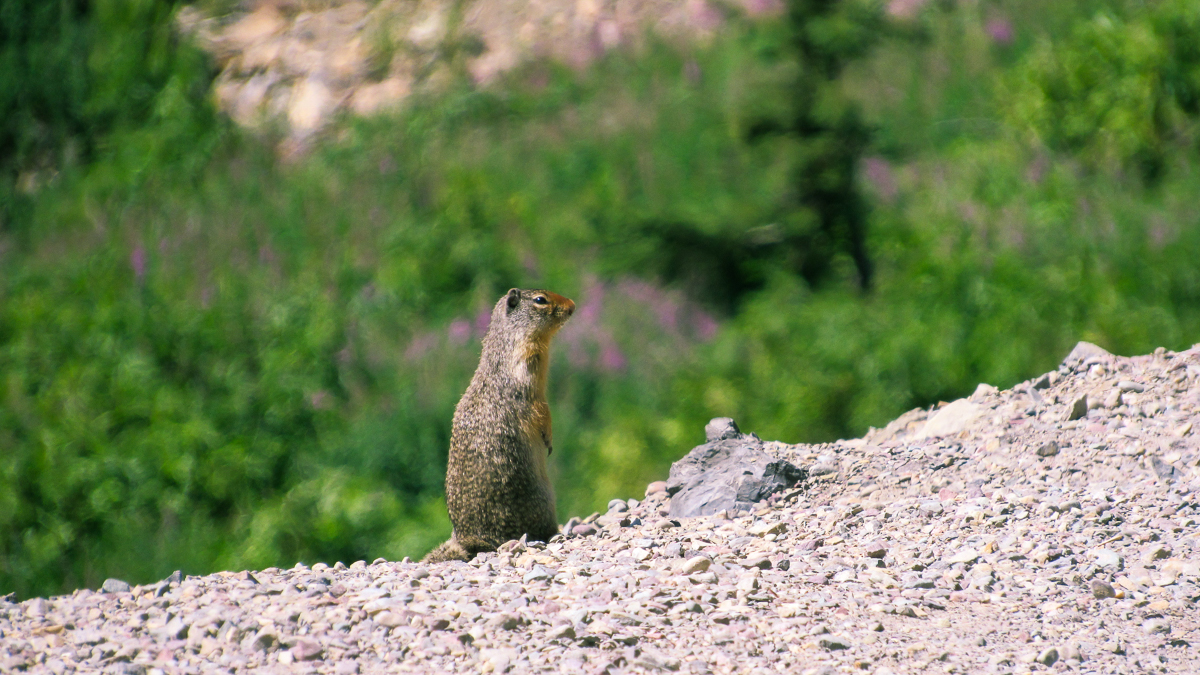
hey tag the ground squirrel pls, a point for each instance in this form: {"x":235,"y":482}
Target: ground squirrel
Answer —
{"x":497,"y":484}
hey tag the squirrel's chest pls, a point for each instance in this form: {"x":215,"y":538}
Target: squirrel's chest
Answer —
{"x":535,"y":429}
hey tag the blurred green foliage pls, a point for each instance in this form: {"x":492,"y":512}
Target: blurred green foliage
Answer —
{"x":1122,"y":90}
{"x":212,"y":359}
{"x":89,"y":84}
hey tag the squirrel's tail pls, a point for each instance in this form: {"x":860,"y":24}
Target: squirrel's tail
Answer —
{"x":456,"y":549}
{"x":450,"y":550}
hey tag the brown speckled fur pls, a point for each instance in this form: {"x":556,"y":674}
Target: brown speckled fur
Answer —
{"x":497,"y":485}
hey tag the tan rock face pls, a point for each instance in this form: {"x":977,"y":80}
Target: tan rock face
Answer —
{"x":262,"y":24}
{"x":301,"y":62}
{"x":312,"y":102}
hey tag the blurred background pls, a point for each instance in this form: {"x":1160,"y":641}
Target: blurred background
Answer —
{"x":247,"y":249}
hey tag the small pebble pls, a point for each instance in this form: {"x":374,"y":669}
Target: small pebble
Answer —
{"x":115,"y":586}
{"x":695,"y":565}
{"x":1102,"y":590}
{"x":1048,"y":449}
{"x":656,"y":487}
{"x":584,"y":530}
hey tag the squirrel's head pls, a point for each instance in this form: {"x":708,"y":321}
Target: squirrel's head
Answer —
{"x":541,"y":313}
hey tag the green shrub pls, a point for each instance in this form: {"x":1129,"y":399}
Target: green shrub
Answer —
{"x":1120,"y":91}
{"x":105,"y":85}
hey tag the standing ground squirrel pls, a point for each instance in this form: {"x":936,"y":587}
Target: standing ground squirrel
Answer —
{"x":497,"y":484}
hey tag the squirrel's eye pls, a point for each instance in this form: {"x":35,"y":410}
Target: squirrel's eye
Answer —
{"x":540,"y":300}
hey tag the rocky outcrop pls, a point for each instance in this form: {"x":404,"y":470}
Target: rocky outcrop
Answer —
{"x":299,"y":63}
{"x":1018,"y":538}
{"x":731,"y":472}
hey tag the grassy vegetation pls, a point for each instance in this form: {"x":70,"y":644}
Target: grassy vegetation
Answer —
{"x":213,"y":360}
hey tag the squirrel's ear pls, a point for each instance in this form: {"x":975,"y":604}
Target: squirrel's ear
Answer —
{"x":514,"y":296}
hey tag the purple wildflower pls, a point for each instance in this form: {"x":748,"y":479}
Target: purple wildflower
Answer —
{"x":137,"y":260}
{"x":1000,"y":30}
{"x":460,"y":331}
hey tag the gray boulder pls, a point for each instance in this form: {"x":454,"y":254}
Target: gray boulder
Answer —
{"x":730,"y":472}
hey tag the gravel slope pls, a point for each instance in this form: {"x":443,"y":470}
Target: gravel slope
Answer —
{"x":995,"y":534}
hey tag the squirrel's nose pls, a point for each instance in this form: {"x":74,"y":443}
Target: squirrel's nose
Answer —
{"x":570,"y":307}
